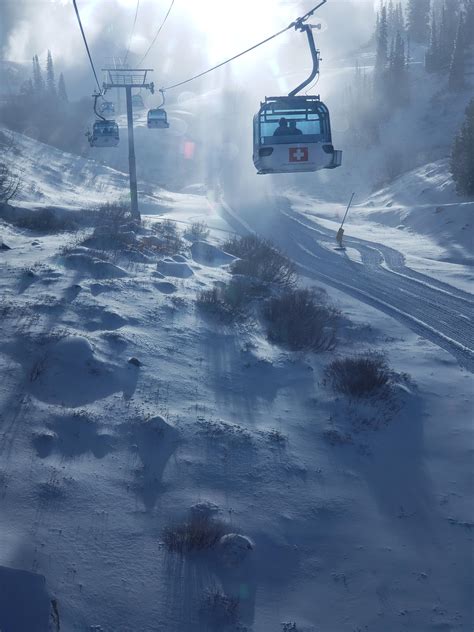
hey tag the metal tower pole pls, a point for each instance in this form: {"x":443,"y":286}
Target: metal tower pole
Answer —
{"x":128,"y":78}
{"x":131,"y":158}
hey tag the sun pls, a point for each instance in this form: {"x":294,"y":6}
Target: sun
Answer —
{"x":241,"y":25}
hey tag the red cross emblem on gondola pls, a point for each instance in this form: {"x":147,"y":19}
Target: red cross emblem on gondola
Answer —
{"x":299,"y":154}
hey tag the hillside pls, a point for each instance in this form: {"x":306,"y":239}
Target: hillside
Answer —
{"x":352,"y":513}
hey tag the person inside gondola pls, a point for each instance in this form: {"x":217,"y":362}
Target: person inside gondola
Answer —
{"x":293,"y":129}
{"x":282,"y":129}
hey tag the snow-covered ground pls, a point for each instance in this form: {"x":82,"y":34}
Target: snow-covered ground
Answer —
{"x":419,"y":215}
{"x":360,"y":513}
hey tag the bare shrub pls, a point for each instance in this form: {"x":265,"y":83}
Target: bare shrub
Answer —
{"x":360,"y":375}
{"x":219,"y":608}
{"x":169,"y":240}
{"x":114,"y":229}
{"x":336,"y":437}
{"x":43,"y":220}
{"x":226,"y":301}
{"x":113,"y":216}
{"x":198,"y":231}
{"x":198,"y":533}
{"x":261,"y":259}
{"x":297,"y":318}
{"x":10,"y":181}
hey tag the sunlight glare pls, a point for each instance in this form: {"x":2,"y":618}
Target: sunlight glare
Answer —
{"x":244,"y":23}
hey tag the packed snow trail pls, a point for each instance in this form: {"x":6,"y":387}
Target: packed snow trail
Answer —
{"x":435,"y":310}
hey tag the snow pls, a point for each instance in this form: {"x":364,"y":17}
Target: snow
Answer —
{"x":98,"y":455}
{"x":419,"y":215}
{"x":24,"y":601}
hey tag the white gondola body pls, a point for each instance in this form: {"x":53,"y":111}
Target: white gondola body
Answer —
{"x":104,"y":134}
{"x":304,"y":145}
{"x":157,"y":119}
{"x":137,"y":102}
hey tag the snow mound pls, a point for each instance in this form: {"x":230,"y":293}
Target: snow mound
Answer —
{"x":165,"y":287}
{"x":72,"y":351}
{"x":72,"y":436}
{"x":156,"y":427}
{"x":108,"y":320}
{"x":203,"y":510}
{"x":208,"y":254}
{"x":68,"y":373}
{"x":235,"y":548}
{"x":178,"y":269}
{"x":155,"y":440}
{"x":24,"y":601}
{"x":94,"y":267}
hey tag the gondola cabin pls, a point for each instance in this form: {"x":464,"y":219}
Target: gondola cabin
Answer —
{"x":107,"y":108}
{"x":137,"y":101}
{"x":292,"y":134}
{"x":104,"y":134}
{"x":157,"y":119}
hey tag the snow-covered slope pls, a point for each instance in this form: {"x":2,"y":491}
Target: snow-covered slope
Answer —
{"x":55,"y":179}
{"x":358,"y":512}
{"x":425,"y":202}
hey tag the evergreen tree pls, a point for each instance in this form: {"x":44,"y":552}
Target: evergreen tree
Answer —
{"x":382,"y":44}
{"x":462,"y":156}
{"x":26,"y":89}
{"x":418,"y":20}
{"x":50,"y":79}
{"x":62,"y":93}
{"x":447,"y":33}
{"x":391,"y":19}
{"x":432,"y":57}
{"x":457,"y":67}
{"x":38,"y":81}
{"x":397,"y":72}
{"x":469,"y":23}
{"x":399,"y":19}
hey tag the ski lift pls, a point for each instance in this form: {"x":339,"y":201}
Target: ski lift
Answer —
{"x":292,"y":134}
{"x":105,"y":132}
{"x":157,"y":117}
{"x":107,"y":108}
{"x":137,"y":101}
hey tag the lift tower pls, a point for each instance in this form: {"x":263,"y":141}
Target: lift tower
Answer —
{"x":129,"y":78}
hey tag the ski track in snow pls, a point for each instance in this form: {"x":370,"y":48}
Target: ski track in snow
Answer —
{"x":433,"y":309}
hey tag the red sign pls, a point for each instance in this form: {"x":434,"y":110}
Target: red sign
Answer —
{"x":299,"y":154}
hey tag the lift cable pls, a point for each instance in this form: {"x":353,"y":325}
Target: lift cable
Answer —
{"x":133,"y":31}
{"x":157,"y":33}
{"x":87,"y":46}
{"x":298,"y":23}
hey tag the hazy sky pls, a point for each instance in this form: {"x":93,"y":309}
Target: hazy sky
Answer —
{"x":213,"y":29}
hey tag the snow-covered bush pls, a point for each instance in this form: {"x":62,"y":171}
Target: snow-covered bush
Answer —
{"x":226,"y":301}
{"x":198,"y":533}
{"x":113,"y":216}
{"x":261,"y":259}
{"x":169,"y":238}
{"x":43,"y":220}
{"x":198,"y":231}
{"x":360,"y":375}
{"x":297,"y":318}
